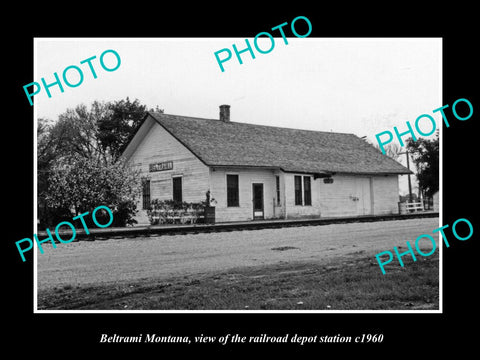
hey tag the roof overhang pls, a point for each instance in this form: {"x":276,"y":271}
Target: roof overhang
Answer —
{"x":316,"y":174}
{"x":409,"y":172}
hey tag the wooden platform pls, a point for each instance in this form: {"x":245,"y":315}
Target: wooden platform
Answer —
{"x":157,"y":230}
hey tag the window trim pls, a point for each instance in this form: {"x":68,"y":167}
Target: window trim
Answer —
{"x":301,"y":191}
{"x":277,"y":190}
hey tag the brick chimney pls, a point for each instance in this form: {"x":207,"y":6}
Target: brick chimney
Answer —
{"x":225,"y":113}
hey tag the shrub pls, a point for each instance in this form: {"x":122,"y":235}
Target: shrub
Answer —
{"x":50,"y":217}
{"x":159,"y":208}
{"x":82,"y":184}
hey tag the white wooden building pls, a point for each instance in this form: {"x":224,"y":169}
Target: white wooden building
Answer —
{"x":262,"y":172}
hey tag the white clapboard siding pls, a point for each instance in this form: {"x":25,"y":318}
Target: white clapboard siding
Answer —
{"x":246,"y":178}
{"x":337,"y":198}
{"x":297,"y":211}
{"x":348,"y":195}
{"x":159,"y":146}
{"x":385,"y":194}
{"x":351,"y":195}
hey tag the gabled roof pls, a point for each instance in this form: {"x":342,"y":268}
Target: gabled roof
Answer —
{"x":219,"y":143}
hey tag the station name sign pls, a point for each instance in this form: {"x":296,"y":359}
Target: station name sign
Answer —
{"x":167,"y":165}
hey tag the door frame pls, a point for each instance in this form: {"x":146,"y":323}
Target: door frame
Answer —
{"x":256,"y":217}
{"x":365,"y":188}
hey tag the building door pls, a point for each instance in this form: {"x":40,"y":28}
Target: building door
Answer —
{"x":363,"y":195}
{"x":257,"y":198}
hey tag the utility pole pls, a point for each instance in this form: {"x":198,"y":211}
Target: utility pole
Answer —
{"x":409,"y":180}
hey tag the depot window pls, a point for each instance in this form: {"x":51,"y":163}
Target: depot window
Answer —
{"x":145,"y":194}
{"x":232,"y":190}
{"x":303,"y":190}
{"x":177,"y":189}
{"x":298,"y":190}
{"x":307,"y":191}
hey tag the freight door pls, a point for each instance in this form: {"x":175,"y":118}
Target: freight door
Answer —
{"x":363,"y":198}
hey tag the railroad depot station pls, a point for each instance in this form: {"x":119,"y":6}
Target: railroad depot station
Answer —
{"x":261,"y":172}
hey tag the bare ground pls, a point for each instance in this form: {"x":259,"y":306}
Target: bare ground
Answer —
{"x":351,"y":282}
{"x":94,"y":263}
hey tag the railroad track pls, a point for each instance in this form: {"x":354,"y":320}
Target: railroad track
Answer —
{"x":180,"y":229}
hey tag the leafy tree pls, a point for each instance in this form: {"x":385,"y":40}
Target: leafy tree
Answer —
{"x":116,"y":129}
{"x":45,"y":157}
{"x":80,"y":184}
{"x":425,"y":156}
{"x":79,"y":165}
{"x":99,"y":132}
{"x":45,"y":153}
{"x":392,"y":150}
{"x":76,"y":132}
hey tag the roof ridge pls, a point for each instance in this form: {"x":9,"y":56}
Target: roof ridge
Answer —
{"x":250,"y":124}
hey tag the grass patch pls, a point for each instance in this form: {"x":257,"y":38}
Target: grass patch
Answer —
{"x":353,"y":282}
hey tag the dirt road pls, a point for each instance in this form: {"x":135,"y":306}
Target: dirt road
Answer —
{"x":96,"y":262}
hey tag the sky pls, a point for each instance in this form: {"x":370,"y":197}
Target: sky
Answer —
{"x":352,"y":85}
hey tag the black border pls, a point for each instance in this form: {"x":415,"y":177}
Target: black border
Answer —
{"x":80,"y":333}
